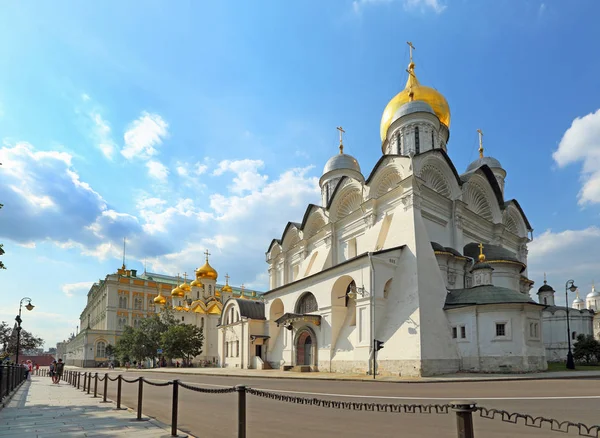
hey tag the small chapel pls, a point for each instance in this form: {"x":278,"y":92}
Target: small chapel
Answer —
{"x":414,"y":268}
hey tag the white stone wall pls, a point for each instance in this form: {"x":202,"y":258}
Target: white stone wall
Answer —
{"x":555,"y":331}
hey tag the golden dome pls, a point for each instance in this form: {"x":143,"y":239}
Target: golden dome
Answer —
{"x":414,"y":91}
{"x":207,"y":271}
{"x":185,"y":287}
{"x":227,"y":288}
{"x":196,"y":283}
{"x":160,"y":300}
{"x":177,"y":292}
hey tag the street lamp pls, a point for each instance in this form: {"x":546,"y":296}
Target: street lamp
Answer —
{"x":569,"y":286}
{"x":29,"y":307}
{"x":352,"y":294}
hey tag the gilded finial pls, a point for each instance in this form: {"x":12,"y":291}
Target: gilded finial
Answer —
{"x":206,"y":253}
{"x":185,"y":277}
{"x":227,"y":279}
{"x":339,"y":128}
{"x":481,"y":254}
{"x":545,"y":278}
{"x":480,"y":143}
{"x":410,"y":48}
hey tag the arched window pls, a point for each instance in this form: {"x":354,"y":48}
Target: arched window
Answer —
{"x":137,"y":302}
{"x":545,"y":301}
{"x":210,"y":289}
{"x":307,"y":304}
{"x":232,"y":315}
{"x":100,"y":349}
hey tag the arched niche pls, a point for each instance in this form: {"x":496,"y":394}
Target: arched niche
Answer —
{"x":316,"y":221}
{"x":347,"y":201}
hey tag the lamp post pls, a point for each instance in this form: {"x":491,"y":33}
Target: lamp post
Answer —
{"x":354,"y":291}
{"x":30,"y":307}
{"x":569,"y":286}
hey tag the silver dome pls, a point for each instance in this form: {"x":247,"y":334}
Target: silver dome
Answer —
{"x":491,"y":163}
{"x":416,"y":106}
{"x":577,"y":300}
{"x":341,"y":161}
{"x":594,"y":293}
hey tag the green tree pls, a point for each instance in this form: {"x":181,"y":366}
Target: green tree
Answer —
{"x":110,"y":350}
{"x":183,"y":341}
{"x":143,"y":342}
{"x":130,"y":345}
{"x":586,"y":349}
{"x":8,"y":340}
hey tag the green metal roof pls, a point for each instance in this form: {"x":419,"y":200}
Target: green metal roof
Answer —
{"x":487,"y":294}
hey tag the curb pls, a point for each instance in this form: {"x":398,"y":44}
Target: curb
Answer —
{"x":415,"y":381}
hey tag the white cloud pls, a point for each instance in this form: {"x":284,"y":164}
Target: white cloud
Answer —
{"x":435,"y":5}
{"x":201,"y":168}
{"x":143,"y":135}
{"x":182,"y":171}
{"x":51,"y":203}
{"x":103,"y":136}
{"x":247,"y":177}
{"x":542,"y":9}
{"x":157,"y":170}
{"x":581,"y":142}
{"x":70,"y":289}
{"x":565,"y":255}
{"x":147,"y":203}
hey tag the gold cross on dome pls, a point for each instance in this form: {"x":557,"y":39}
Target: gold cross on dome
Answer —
{"x":184,"y":277}
{"x":206,"y":253}
{"x":227,"y":278}
{"x":480,"y":132}
{"x":339,"y":128}
{"x":411,"y":48}
{"x":481,"y":255}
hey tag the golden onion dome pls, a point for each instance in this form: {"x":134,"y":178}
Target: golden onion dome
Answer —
{"x":217,"y":293}
{"x":207,"y":271}
{"x":196,"y":283}
{"x":177,"y":292}
{"x":160,"y":300}
{"x":227,"y":288}
{"x":414,"y":91}
{"x":185,"y":287}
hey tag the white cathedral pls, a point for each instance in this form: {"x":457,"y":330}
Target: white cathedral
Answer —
{"x":426,"y":259}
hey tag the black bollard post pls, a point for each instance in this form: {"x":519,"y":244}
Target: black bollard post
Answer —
{"x":89,"y":382}
{"x":174,"y":407}
{"x":464,"y":418}
{"x":84,"y":380}
{"x":8,"y":380}
{"x":119,"y":392}
{"x":105,"y":387}
{"x":96,"y":385}
{"x":78,"y":379}
{"x":140,"y":396}
{"x":241,"y":390}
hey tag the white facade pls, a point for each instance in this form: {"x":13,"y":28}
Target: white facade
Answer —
{"x":390,"y":257}
{"x":555,"y":323}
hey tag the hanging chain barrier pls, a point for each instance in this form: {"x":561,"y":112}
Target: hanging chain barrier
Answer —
{"x":540,"y":422}
{"x":12,"y":377}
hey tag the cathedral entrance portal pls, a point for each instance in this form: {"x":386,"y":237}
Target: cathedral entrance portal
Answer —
{"x":304,"y":348}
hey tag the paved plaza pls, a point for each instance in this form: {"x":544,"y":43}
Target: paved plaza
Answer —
{"x":41,"y":409}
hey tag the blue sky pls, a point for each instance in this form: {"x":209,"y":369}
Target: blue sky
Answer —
{"x":194,"y":125}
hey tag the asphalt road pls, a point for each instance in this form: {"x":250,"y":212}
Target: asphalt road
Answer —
{"x":215,"y":415}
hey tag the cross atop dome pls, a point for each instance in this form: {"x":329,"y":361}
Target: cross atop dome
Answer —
{"x":206,"y":253}
{"x":339,"y":128}
{"x":480,"y":132}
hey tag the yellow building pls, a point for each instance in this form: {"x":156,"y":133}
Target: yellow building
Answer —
{"x":124,"y":298}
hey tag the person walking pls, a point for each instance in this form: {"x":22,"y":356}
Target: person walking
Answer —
{"x":60,"y":366}
{"x":29,"y":369}
{"x":52,"y":370}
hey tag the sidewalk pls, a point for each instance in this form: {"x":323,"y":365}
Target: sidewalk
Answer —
{"x":458,"y":377}
{"x":42,"y":409}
